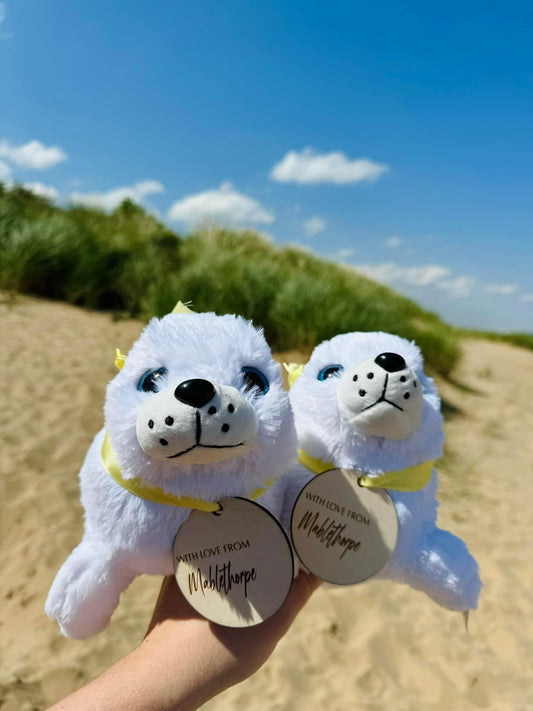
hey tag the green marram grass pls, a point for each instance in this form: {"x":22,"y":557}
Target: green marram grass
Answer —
{"x":301,"y":300}
{"x":523,"y":340}
{"x":129,"y":263}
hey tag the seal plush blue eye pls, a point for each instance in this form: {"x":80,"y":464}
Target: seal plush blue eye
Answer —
{"x":149,"y":381}
{"x":330,"y":371}
{"x":254,"y":378}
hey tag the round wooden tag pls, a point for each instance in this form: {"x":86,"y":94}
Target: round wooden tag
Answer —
{"x":234,"y":566}
{"x":342,"y":532}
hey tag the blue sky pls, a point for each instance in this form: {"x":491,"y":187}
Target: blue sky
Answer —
{"x":394,"y":137}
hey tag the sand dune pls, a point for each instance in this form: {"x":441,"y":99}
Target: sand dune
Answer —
{"x":372,"y":647}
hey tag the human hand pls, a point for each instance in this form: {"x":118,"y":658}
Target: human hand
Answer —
{"x":214,"y":656}
{"x":185,"y":660}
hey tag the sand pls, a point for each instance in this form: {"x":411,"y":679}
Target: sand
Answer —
{"x":374,"y":646}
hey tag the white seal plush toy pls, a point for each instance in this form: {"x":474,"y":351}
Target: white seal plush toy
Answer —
{"x":363,"y":402}
{"x":197,"y":413}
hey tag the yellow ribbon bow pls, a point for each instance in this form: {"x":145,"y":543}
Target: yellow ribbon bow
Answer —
{"x":180,"y":308}
{"x":294,"y":370}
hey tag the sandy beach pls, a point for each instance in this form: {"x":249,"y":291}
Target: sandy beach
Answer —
{"x":370,"y":647}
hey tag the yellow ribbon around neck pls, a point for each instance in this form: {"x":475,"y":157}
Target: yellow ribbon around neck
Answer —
{"x":409,"y":479}
{"x":140,"y":488}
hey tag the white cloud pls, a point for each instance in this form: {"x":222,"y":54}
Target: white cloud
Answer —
{"x":426,"y":275}
{"x":344,"y":253}
{"x":393,"y":242}
{"x":33,"y":155}
{"x":314,"y":225}
{"x":223,"y":204}
{"x":460,"y":287}
{"x":309,"y":167}
{"x":3,"y":13}
{"x":384,"y":273}
{"x":112,"y":198}
{"x":74,"y":183}
{"x":5,"y":172}
{"x":436,"y":276}
{"x":501,"y":289}
{"x":46,"y":191}
{"x":417,"y":276}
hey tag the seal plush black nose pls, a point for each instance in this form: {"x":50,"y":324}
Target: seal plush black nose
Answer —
{"x":195,"y":392}
{"x":391,"y":362}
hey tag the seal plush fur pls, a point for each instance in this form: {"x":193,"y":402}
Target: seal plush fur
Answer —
{"x":198,"y":410}
{"x":364,"y":402}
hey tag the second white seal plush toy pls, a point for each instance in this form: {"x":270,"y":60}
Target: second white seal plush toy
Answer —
{"x":364,"y":402}
{"x":196,"y":414}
